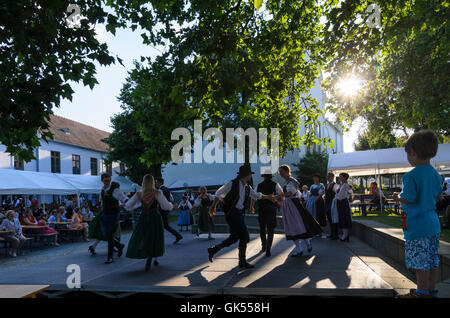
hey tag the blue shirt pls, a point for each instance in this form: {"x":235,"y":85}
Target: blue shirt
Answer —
{"x":421,"y":187}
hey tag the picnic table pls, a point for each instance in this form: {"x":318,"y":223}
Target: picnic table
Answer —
{"x":21,"y":291}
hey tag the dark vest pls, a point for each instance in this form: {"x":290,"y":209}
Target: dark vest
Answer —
{"x":329,"y":193}
{"x":166,"y":193}
{"x":232,"y":197}
{"x":110,"y":204}
{"x":267,"y":187}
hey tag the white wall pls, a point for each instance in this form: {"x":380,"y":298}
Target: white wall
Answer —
{"x":7,"y":162}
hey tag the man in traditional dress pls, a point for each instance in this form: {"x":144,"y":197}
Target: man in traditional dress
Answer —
{"x":235,"y":197}
{"x":159,"y":182}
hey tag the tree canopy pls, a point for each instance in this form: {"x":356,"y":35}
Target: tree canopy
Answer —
{"x":403,"y":64}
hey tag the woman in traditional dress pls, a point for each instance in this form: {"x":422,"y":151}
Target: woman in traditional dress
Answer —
{"x":343,"y":206}
{"x":147,"y":240}
{"x":205,"y":220}
{"x":298,"y":223}
{"x":184,"y":219}
{"x":315,"y":204}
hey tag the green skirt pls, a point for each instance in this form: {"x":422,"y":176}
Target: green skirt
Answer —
{"x":95,"y":230}
{"x":147,"y":239}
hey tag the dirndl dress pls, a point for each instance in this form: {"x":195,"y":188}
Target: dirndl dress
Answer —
{"x":205,"y":221}
{"x":345,"y":213}
{"x":184,"y":218}
{"x":298,"y":222}
{"x":147,"y":239}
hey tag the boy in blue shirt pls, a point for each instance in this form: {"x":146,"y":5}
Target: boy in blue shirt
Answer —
{"x":421,"y":188}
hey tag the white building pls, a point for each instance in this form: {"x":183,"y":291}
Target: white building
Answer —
{"x":75,"y":149}
{"x":198,"y":174}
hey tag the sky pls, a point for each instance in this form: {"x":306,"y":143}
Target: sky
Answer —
{"x":95,"y":107}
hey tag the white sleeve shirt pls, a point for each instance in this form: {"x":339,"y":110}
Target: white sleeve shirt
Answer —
{"x":226,"y":188}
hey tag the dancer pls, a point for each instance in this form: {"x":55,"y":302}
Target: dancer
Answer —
{"x":343,"y":207}
{"x":109,"y":218}
{"x":267,"y":212}
{"x":298,"y":223}
{"x":147,"y":240}
{"x":315,"y":204}
{"x":330,"y":193}
{"x":184,"y":219}
{"x":235,"y":195}
{"x":159,"y":182}
{"x":205,"y":220}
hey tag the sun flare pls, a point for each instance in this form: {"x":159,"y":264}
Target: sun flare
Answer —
{"x":349,"y":86}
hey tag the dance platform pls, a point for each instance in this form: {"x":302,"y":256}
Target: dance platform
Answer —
{"x":331,"y":269}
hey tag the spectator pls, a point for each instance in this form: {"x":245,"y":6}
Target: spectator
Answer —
{"x":77,"y":224}
{"x":88,"y":215}
{"x":11,"y":223}
{"x":421,"y":187}
{"x":376,"y":193}
{"x":29,"y":218}
{"x":43,"y":221}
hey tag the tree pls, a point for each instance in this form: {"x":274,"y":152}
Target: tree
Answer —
{"x":39,"y":56}
{"x":234,"y":64}
{"x":127,"y":146}
{"x":404,"y":63}
{"x":313,"y":162}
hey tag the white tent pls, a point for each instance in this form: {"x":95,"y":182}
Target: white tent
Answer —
{"x":383,"y":161}
{"x":29,"y":183}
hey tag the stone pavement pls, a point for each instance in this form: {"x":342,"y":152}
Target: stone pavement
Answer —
{"x":332,"y":269}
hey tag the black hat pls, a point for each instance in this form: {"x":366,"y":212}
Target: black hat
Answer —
{"x":245,"y":170}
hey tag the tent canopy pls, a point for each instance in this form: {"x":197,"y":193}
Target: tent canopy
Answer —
{"x":383,"y":161}
{"x":29,"y":183}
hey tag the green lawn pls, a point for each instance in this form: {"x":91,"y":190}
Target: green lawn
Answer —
{"x":394,"y":220}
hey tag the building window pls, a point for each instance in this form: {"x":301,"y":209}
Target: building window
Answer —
{"x":94,"y":169}
{"x":76,"y":164}
{"x":56,"y":161}
{"x":109,"y":169}
{"x":18,"y":164}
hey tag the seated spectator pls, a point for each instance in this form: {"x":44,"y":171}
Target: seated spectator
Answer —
{"x":77,"y":223}
{"x":29,"y":218}
{"x":11,"y":223}
{"x":88,"y":215}
{"x":375,"y":194}
{"x":43,"y":221}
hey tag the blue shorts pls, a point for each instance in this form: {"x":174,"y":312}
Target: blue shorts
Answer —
{"x":422,"y":254}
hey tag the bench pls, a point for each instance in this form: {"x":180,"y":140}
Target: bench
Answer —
{"x":70,"y":233}
{"x":47,"y":237}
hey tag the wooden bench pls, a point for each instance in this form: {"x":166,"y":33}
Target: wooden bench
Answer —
{"x":47,"y":237}
{"x":21,"y":291}
{"x":70,"y":233}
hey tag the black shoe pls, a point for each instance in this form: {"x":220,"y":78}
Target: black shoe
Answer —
{"x":109,"y":261}
{"x":211,"y":253}
{"x":91,"y":250}
{"x":178,"y":239}
{"x":309,"y":248}
{"x":120,"y":250}
{"x":268,"y":254}
{"x":263,"y":249}
{"x":246,"y":265}
{"x":148,"y":264}
{"x":155,"y":262}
